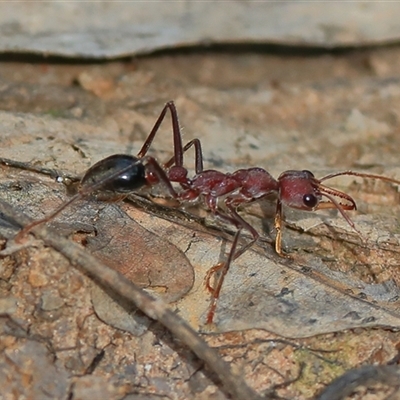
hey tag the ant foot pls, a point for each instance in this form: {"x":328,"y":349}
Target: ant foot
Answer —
{"x":285,"y":255}
{"x":209,"y":274}
{"x":21,"y":236}
{"x":211,"y":313}
{"x":364,"y":240}
{"x":279,"y":251}
{"x":16,"y":244}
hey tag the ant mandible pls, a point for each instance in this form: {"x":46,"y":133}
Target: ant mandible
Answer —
{"x":118,"y":175}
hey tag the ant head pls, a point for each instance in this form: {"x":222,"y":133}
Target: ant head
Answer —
{"x":301,"y":190}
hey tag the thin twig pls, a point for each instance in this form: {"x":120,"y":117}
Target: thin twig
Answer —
{"x":233,"y":382}
{"x":368,"y":375}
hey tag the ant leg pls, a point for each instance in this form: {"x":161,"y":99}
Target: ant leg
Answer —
{"x":198,"y":156}
{"x":156,"y":174}
{"x":225,"y":268}
{"x":238,"y":221}
{"x":25,"y":230}
{"x":178,"y":150}
{"x":278,"y":228}
{"x":235,"y":219}
{"x":242,"y":224}
{"x":27,"y":167}
{"x":177,"y":172}
{"x":221,"y":265}
{"x":52,"y":173}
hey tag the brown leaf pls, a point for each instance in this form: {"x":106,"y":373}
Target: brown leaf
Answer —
{"x":143,"y":257}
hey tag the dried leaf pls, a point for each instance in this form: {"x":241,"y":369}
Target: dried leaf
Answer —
{"x":143,"y":257}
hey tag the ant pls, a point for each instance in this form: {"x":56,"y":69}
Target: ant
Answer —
{"x":118,"y":175}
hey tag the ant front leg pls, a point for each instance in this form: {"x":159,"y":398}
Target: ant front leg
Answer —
{"x":278,"y":228}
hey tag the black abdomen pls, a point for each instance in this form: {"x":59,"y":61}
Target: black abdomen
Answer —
{"x":119,"y":173}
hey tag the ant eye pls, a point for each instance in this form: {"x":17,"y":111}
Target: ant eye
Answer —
{"x":308,"y":172}
{"x":310,"y":200}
